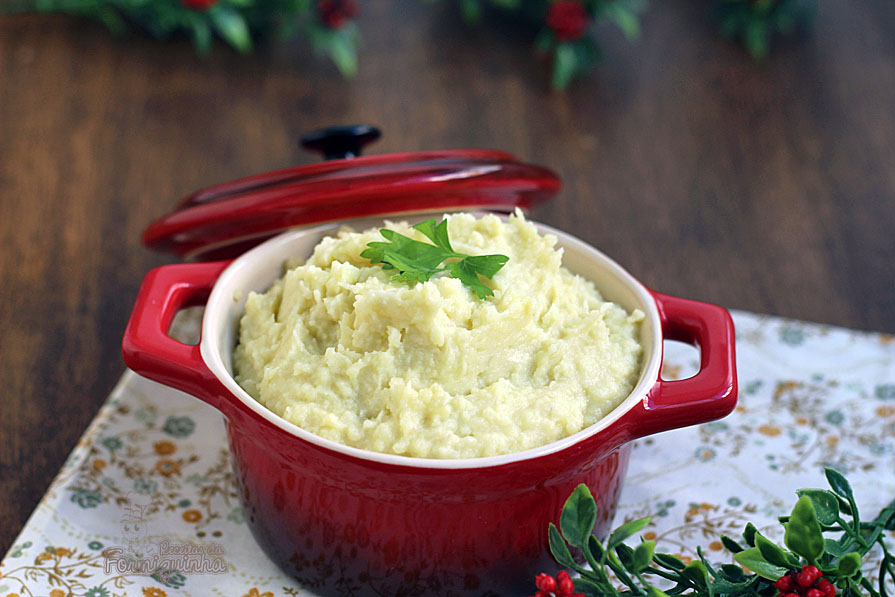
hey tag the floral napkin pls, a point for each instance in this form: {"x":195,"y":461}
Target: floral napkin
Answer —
{"x":152,"y":471}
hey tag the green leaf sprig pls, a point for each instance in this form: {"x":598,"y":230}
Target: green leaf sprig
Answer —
{"x":416,"y":261}
{"x":832,"y":565}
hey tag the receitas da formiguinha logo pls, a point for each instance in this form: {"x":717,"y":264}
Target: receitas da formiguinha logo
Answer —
{"x":143,"y":553}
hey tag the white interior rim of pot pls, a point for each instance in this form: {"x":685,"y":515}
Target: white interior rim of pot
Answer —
{"x":257,"y":269}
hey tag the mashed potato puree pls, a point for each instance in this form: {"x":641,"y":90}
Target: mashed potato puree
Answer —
{"x":428,"y":369}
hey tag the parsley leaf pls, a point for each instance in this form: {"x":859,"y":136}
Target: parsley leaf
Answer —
{"x":416,"y":261}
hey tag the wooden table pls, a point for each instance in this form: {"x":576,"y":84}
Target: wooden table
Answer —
{"x":768,"y":187}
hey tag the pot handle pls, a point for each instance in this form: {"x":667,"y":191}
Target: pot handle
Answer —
{"x":711,"y":393}
{"x":150,"y":351}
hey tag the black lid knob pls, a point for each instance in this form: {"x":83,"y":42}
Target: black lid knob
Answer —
{"x":339,"y":142}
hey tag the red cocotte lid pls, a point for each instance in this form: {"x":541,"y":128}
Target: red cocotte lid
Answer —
{"x":225,"y":220}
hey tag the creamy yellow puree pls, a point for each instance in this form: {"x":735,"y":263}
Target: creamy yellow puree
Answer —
{"x":428,"y":369}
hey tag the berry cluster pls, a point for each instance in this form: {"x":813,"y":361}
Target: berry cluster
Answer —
{"x":561,"y":586}
{"x":568,"y":19}
{"x":335,"y":13}
{"x":807,"y":582}
{"x":199,"y":4}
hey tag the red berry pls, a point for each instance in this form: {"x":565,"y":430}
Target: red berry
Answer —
{"x":568,"y":19}
{"x":199,"y":4}
{"x":334,"y":13}
{"x":826,"y":587}
{"x":789,"y":595}
{"x":784,"y":584}
{"x":543,"y":594}
{"x":814,"y":593}
{"x":807,"y":576}
{"x":545,"y":582}
{"x":564,"y":585}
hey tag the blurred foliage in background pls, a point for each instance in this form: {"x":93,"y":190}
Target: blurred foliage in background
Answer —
{"x":566,"y":29}
{"x":327,"y":24}
{"x":755,"y":22}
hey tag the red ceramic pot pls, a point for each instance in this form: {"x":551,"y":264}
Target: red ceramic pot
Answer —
{"x":399,"y":525}
{"x":348,"y":521}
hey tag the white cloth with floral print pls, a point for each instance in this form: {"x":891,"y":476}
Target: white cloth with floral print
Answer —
{"x":153,"y":468}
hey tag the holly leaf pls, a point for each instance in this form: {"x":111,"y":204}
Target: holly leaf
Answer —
{"x":643,"y":555}
{"x":733,"y":573}
{"x":774,"y":554}
{"x":545,"y":41}
{"x":753,"y":560}
{"x":471,"y":11}
{"x":230,"y":25}
{"x":595,"y":548}
{"x":834,"y":548}
{"x":839,"y":483}
{"x":579,"y":514}
{"x":826,"y":506}
{"x":669,"y":561}
{"x":749,"y":534}
{"x":696,"y":572}
{"x":589,"y":588}
{"x":849,"y":564}
{"x":625,"y":18}
{"x":731,"y":545}
{"x":625,"y":531}
{"x":625,"y":555}
{"x":201,"y":33}
{"x":110,"y":17}
{"x":803,"y":534}
{"x":558,"y":548}
{"x":342,"y":50}
{"x":757,"y":38}
{"x":565,"y":65}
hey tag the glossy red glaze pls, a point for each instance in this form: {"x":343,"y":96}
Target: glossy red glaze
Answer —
{"x":337,"y":521}
{"x":328,"y":519}
{"x":225,"y":220}
{"x":708,"y":395}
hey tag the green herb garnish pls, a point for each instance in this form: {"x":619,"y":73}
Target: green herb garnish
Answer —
{"x":810,"y":564}
{"x":416,"y":261}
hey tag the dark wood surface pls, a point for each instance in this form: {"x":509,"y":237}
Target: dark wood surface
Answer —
{"x":768,"y":187}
